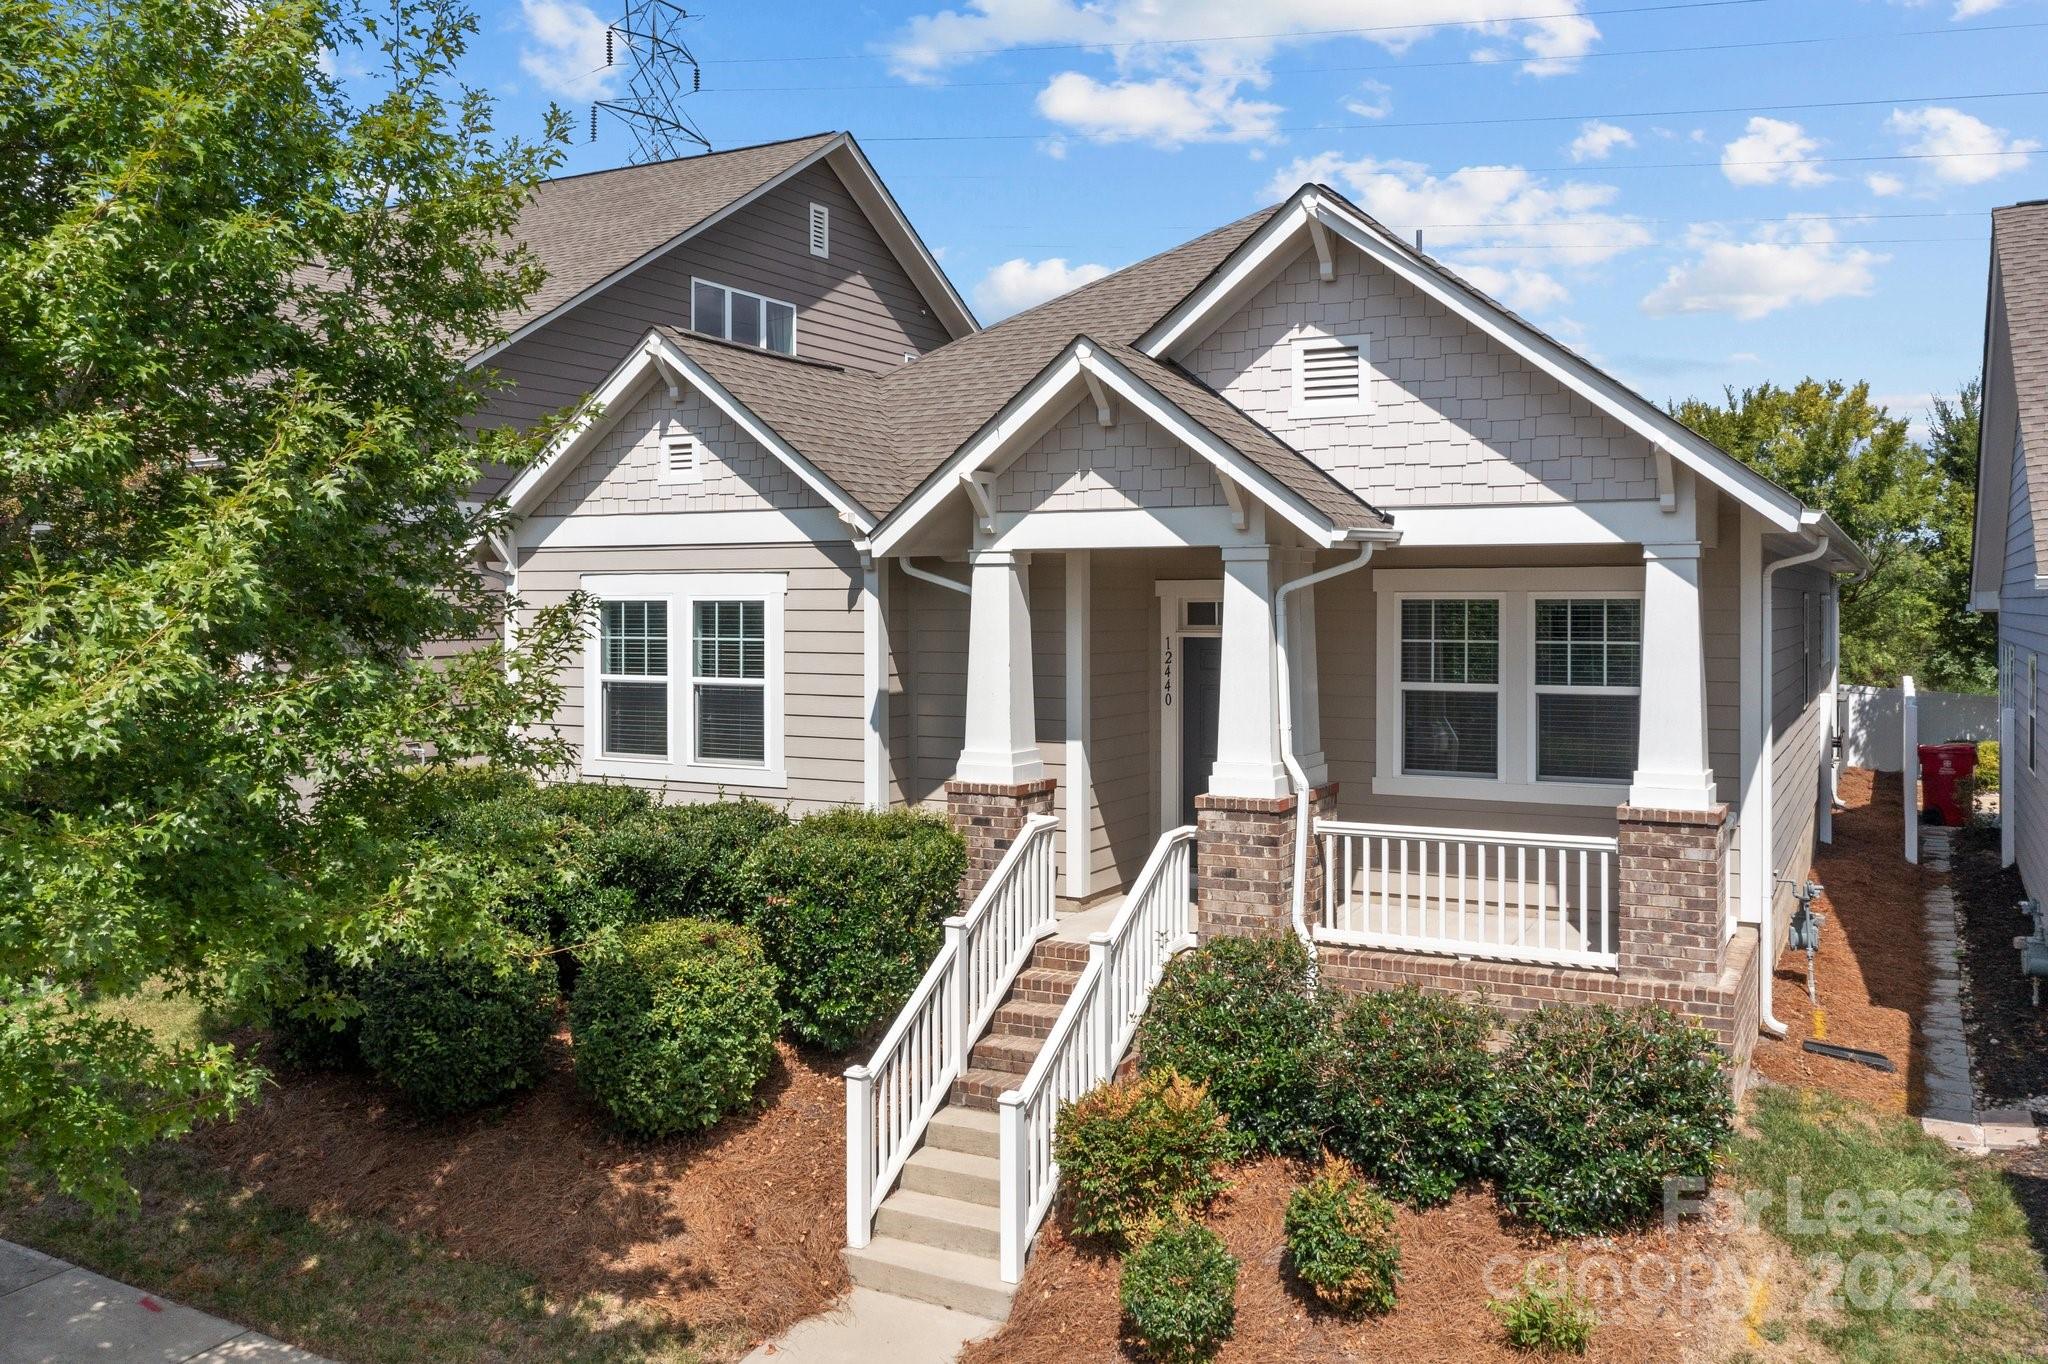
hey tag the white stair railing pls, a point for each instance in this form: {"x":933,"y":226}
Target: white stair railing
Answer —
{"x":891,"y":1099}
{"x":1544,"y":898}
{"x":1125,"y":962}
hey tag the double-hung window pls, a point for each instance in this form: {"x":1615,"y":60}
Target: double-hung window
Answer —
{"x":738,"y":316}
{"x":1588,"y":687}
{"x":1450,"y":686}
{"x":686,"y":673}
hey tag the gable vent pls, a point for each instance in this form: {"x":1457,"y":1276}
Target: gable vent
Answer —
{"x":678,"y":458}
{"x":821,"y":230}
{"x":1329,"y":374}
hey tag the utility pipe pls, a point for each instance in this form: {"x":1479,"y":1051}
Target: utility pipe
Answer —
{"x":1298,"y":901}
{"x":1767,"y":940}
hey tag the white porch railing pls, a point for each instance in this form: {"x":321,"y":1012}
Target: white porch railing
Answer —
{"x":1549,"y":899}
{"x":1088,"y":1038}
{"x":890,"y":1100}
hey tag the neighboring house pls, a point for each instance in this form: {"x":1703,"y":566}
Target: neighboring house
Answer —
{"x":2009,"y":563}
{"x":1287,"y":518}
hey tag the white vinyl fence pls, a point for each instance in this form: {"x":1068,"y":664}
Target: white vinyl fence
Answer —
{"x":1873,"y":720}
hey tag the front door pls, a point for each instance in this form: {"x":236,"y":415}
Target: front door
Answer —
{"x":1201,"y":693}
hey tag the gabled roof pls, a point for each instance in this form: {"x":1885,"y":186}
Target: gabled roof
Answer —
{"x":2015,"y":382}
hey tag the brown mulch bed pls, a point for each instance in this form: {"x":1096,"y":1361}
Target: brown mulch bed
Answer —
{"x":1453,"y":1260}
{"x":738,"y":1228}
{"x":1872,"y":963}
{"x":2008,"y":1032}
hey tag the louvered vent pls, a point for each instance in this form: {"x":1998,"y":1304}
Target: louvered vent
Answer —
{"x":821,"y":230}
{"x":680,"y":458}
{"x":1330,"y":373}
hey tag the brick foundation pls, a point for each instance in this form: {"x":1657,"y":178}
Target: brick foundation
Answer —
{"x":989,"y":817}
{"x":1674,"y":867}
{"x":1244,"y":862}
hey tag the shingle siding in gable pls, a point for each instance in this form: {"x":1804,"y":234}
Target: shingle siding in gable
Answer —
{"x":1457,"y":418}
{"x":1079,"y":465}
{"x":2023,"y":632}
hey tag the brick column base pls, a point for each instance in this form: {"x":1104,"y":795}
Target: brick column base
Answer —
{"x":1244,"y":862}
{"x":1674,"y":869}
{"x":990,"y":816}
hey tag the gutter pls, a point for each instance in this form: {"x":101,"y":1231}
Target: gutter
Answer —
{"x":1768,"y":1021}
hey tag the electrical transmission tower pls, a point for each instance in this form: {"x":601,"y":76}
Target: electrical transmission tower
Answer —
{"x":662,"y":72}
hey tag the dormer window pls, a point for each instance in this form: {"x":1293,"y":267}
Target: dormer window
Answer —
{"x":738,"y":316}
{"x":821,"y":231}
{"x":1331,"y":376}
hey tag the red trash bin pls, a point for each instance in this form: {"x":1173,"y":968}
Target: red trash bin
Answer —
{"x":1943,"y":770}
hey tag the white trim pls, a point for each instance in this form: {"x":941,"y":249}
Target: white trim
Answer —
{"x":1123,"y":528}
{"x":731,"y":292}
{"x":1311,"y":409}
{"x":681,"y":591}
{"x":649,"y":530}
{"x":1558,"y":523}
{"x":677,"y":438}
{"x":818,"y":231}
{"x":1174,"y":595}
{"x":1753,"y":813}
{"x":1080,"y":786}
{"x":1263,"y":253}
{"x":874,"y":665}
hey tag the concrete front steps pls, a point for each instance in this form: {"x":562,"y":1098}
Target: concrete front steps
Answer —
{"x":935,"y":1237}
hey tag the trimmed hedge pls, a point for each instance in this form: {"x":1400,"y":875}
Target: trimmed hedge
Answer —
{"x":849,"y":904}
{"x":1413,"y":1101}
{"x":453,"y":1033}
{"x":1237,"y":1014}
{"x":1601,"y":1105}
{"x":677,"y":1027}
{"x":1131,"y":1151}
{"x":1341,"y":1242}
{"x":323,"y":1029}
{"x":685,"y":861}
{"x":1179,"y":1293}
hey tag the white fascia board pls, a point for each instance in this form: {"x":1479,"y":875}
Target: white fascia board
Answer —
{"x":1549,"y":523}
{"x":695,"y":229}
{"x":1244,"y":273}
{"x":597,"y":414}
{"x":661,"y":530}
{"x":869,"y":191}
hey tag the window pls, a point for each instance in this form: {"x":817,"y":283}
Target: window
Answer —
{"x":1588,"y":684}
{"x":821,"y":231}
{"x":1450,"y":686}
{"x":1330,"y":375}
{"x":737,"y":316}
{"x":703,"y":706}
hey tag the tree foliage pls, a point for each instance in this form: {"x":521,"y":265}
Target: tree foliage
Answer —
{"x":234,"y":307}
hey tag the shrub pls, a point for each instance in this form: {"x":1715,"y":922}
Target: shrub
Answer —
{"x":677,"y":1027}
{"x":685,"y":861}
{"x":848,"y":904}
{"x":1558,"y":1323}
{"x":1601,"y":1105}
{"x":593,"y":804}
{"x":1412,"y":1097}
{"x":1340,"y":1239}
{"x":322,"y":1028}
{"x":1237,"y":1014}
{"x":1179,"y":1292}
{"x":1131,"y":1151}
{"x":454,"y":1033}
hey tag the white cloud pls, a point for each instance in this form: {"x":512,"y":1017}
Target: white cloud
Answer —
{"x":1772,"y":152}
{"x":342,"y":64}
{"x":1162,"y":112}
{"x":1375,"y":99}
{"x":1018,"y":284}
{"x":1509,"y":231}
{"x":1962,"y":150}
{"x":567,"y":52}
{"x":1882,"y":185}
{"x":1970,"y":9}
{"x":1798,"y":261}
{"x":1596,"y":140}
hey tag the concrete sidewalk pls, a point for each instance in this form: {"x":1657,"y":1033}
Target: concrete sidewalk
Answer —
{"x":55,"y":1313}
{"x":867,"y":1326}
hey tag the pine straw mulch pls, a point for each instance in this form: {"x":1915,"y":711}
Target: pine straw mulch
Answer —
{"x":1454,"y":1259}
{"x":1872,"y":965}
{"x":735,"y":1230}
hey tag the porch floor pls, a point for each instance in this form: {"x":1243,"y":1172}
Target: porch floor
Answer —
{"x":1076,"y":925}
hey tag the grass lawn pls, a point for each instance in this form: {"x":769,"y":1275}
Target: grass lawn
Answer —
{"x":1922,"y":1255}
{"x":348,"y":1288}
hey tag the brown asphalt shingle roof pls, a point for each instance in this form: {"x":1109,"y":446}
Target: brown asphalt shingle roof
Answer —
{"x":2019,"y":245}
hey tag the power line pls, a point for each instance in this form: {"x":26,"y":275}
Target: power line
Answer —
{"x":1128,"y":43}
{"x":935,"y":86}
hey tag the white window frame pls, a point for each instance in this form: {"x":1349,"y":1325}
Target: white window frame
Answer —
{"x":681,"y":592}
{"x":818,"y":228}
{"x":1302,"y":406}
{"x":1539,"y":689}
{"x":1515,"y":778}
{"x":761,"y":302}
{"x":1496,"y":688}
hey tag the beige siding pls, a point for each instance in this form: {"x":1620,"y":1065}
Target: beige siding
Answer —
{"x":1457,"y":419}
{"x":1799,"y":676}
{"x":2023,"y":636}
{"x":821,"y":654}
{"x":1079,"y":465}
{"x":937,"y":647}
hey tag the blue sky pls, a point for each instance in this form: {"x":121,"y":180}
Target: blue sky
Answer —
{"x":1629,"y":173}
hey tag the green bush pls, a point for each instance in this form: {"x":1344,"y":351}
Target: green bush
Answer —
{"x":593,"y":804}
{"x":1599,"y":1107}
{"x":1179,"y":1293}
{"x":849,"y":904}
{"x":1341,"y":1242}
{"x":1556,"y":1323}
{"x":685,"y":861}
{"x":1131,"y":1151}
{"x":1237,"y":1014}
{"x":677,"y":1027}
{"x":1412,"y":1097}
{"x":322,"y":1028}
{"x":454,"y":1033}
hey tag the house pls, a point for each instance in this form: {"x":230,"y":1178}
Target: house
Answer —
{"x":2007,"y":573}
{"x":1283,"y":574}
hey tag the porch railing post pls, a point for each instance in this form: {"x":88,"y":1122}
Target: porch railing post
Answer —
{"x":958,"y":1001}
{"x":860,"y":1155}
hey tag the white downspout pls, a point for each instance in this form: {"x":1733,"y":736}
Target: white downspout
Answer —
{"x":1768,"y":935}
{"x":941,"y":579}
{"x":1298,"y":901}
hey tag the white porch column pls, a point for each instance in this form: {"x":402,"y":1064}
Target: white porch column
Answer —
{"x":1248,"y":761}
{"x":1001,"y":746}
{"x":1080,"y":830}
{"x":1671,"y":747}
{"x":1304,"y":680}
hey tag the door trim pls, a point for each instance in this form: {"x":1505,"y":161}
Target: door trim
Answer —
{"x":1174,"y":594}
